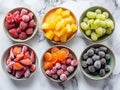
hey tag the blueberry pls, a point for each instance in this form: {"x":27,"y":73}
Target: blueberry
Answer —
{"x":90,"y":52}
{"x":85,"y":56}
{"x":97,"y":51}
{"x":97,"y":64}
{"x":101,"y":54}
{"x":91,"y":68}
{"x":103,"y":49}
{"x":107,"y":56}
{"x":102,"y":72}
{"x":103,"y":61}
{"x":86,"y":70}
{"x":89,"y":61}
{"x":107,"y":68}
{"x":84,"y":64}
{"x":95,"y":57}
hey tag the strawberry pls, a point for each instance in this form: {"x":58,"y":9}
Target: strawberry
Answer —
{"x":23,"y":25}
{"x":8,"y":60}
{"x":18,"y":57}
{"x":23,"y":12}
{"x":32,"y":23}
{"x":17,"y":66}
{"x":19,"y":30}
{"x":18,"y":74}
{"x":27,"y":73}
{"x":13,"y":72}
{"x":33,"y":68}
{"x":10,"y":18}
{"x":32,"y":56}
{"x":10,"y":66}
{"x":9,"y":25}
{"x":24,"y":49}
{"x":18,"y":19}
{"x":25,"y":18}
{"x":17,"y":50}
{"x":30,"y":14}
{"x":27,"y":53}
{"x":11,"y":53}
{"x":16,"y":13}
{"x":29,"y":31}
{"x":22,"y":35}
{"x":26,"y":62}
{"x":13,"y":33}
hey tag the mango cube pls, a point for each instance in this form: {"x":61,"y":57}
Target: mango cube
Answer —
{"x":63,"y":31}
{"x":45,"y":26}
{"x":56,"y":38}
{"x":59,"y":11}
{"x":63,"y":38}
{"x":69,"y":29}
{"x":70,"y":20}
{"x":74,"y":27}
{"x":60,"y":24}
{"x":58,"y":18}
{"x":49,"y":34}
{"x":66,"y":13}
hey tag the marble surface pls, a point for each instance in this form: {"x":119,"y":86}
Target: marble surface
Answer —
{"x":78,"y":44}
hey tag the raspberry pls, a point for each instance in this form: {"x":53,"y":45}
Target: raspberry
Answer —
{"x":23,"y":12}
{"x":32,"y":23}
{"x":9,"y":26}
{"x":63,"y":77}
{"x":19,"y":30}
{"x":22,"y":35}
{"x":18,"y":18}
{"x":25,"y":18}
{"x":13,"y":33}
{"x":30,"y":14}
{"x":23,"y":25}
{"x":10,"y":18}
{"x":16,"y":13}
{"x":29,"y":31}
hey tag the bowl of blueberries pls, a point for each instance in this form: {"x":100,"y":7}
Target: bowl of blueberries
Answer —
{"x":97,"y":62}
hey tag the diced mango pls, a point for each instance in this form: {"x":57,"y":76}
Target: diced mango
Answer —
{"x":70,"y":20}
{"x":58,"y":18}
{"x":57,"y":33}
{"x":63,"y":38}
{"x":74,"y":27}
{"x":51,"y":16}
{"x":63,"y":31}
{"x":59,"y":11}
{"x":69,"y":29}
{"x":56,"y":38}
{"x":45,"y":26}
{"x":60,"y":24}
{"x":49,"y":34}
{"x":66,"y":13}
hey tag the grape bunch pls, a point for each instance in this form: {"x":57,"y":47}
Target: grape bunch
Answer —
{"x":97,"y":24}
{"x":96,"y":61}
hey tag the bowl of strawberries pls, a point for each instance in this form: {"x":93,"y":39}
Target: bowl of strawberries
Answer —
{"x":20,"y":24}
{"x":59,"y":63}
{"x":19,"y":61}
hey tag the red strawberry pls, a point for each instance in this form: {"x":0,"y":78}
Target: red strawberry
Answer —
{"x":11,"y":53}
{"x":16,"y":13}
{"x":22,"y":35}
{"x":18,"y":74}
{"x":17,"y":50}
{"x":10,"y":18}
{"x":19,"y":30}
{"x":27,"y":53}
{"x":29,"y":31}
{"x":24,"y":49}
{"x":23,"y":25}
{"x":10,"y":66}
{"x":8,"y":60}
{"x":13,"y":72}
{"x":27,"y":73}
{"x":33,"y":68}
{"x":30,"y":14}
{"x":9,"y":25}
{"x":32,"y":56}
{"x":26,"y":62}
{"x":18,"y":19}
{"x":32,"y":24}
{"x":23,"y":12}
{"x":13,"y":33}
{"x":25,"y":18}
{"x":17,"y":66}
{"x":18,"y":57}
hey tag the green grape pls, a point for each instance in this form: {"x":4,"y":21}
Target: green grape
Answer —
{"x":94,"y":36}
{"x":100,"y":16}
{"x":96,"y":23}
{"x":91,"y":14}
{"x":99,"y":31}
{"x":88,"y":32}
{"x":110,"y":24}
{"x":103,"y":24}
{"x":108,"y":31}
{"x":85,"y":19}
{"x":98,"y":11}
{"x":91,"y":21}
{"x":84,"y":26}
{"x":104,"y":30}
{"x":98,"y":35}
{"x":106,"y":14}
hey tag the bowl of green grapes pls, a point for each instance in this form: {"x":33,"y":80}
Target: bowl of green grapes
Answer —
{"x":97,"y":24}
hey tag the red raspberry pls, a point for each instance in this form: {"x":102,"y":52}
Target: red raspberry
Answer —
{"x":25,"y":18}
{"x":13,"y":33}
{"x":23,"y":25}
{"x":32,"y":23}
{"x":10,"y":18}
{"x":16,"y":13}
{"x":29,"y":31}
{"x":18,"y":18}
{"x":23,"y":12}
{"x":19,"y":30}
{"x":30,"y":14}
{"x":22,"y":35}
{"x":9,"y":26}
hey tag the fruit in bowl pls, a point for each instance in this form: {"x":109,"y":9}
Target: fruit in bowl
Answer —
{"x":59,"y":64}
{"x":97,"y":23}
{"x":19,"y":61}
{"x":97,"y":61}
{"x":59,"y":25}
{"x":20,"y":24}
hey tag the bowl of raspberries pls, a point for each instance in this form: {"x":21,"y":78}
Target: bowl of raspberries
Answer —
{"x":97,"y":62}
{"x":20,"y":24}
{"x":59,"y":63}
{"x":19,"y":61}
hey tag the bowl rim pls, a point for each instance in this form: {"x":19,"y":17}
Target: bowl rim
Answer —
{"x":20,"y":40}
{"x":50,"y":78}
{"x":11,"y":76}
{"x":87,"y":75}
{"x":52,"y":9}
{"x":112,"y":18}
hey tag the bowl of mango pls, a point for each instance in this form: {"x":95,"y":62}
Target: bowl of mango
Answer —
{"x":59,"y":25}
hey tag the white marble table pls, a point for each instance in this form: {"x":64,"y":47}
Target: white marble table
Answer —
{"x":78,"y":44}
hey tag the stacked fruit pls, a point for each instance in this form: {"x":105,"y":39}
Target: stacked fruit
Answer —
{"x":21,"y":62}
{"x":59,"y":25}
{"x":20,"y":23}
{"x":59,"y":63}
{"x":96,"y":61}
{"x":97,"y":24}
